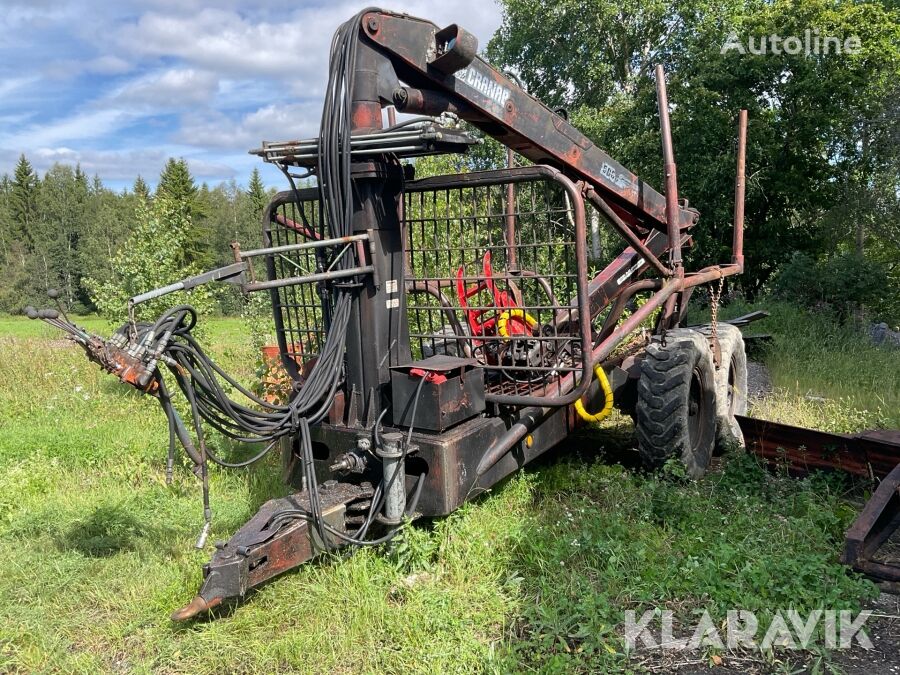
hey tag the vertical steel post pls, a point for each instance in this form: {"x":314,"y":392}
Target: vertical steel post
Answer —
{"x":673,"y":211}
{"x":511,"y":261}
{"x":739,"y":192}
{"x":378,"y":335}
{"x":394,"y":477}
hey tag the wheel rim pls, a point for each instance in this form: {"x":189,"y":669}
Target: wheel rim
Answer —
{"x":695,"y":409}
{"x":731,"y":399}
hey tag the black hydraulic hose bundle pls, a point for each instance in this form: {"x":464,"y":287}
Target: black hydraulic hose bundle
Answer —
{"x":138,"y":352}
{"x":201,"y":380}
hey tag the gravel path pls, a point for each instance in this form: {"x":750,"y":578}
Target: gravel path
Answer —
{"x":759,"y":384}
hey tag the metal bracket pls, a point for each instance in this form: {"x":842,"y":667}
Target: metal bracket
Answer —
{"x":264,"y":547}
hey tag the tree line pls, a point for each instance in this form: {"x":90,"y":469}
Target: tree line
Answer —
{"x":67,"y":231}
{"x":823,"y":155}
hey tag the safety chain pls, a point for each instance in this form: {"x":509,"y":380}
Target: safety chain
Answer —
{"x":714,"y":297}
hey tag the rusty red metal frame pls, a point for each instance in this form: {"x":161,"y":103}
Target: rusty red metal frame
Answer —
{"x":670,"y":171}
{"x":874,"y":525}
{"x":870,"y":454}
{"x":740,"y":181}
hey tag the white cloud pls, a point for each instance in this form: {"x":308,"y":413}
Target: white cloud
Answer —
{"x":295,"y":47}
{"x":111,"y":165}
{"x":68,"y":69}
{"x":172,"y":88}
{"x":82,"y":126}
{"x":124,"y":165}
{"x":145,"y":96}
{"x":205,"y":169}
{"x":107,"y":65}
{"x":9,"y":85}
{"x":270,"y":123}
{"x":225,"y":42}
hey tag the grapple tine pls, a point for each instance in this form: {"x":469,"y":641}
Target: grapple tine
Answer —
{"x":195,"y":608}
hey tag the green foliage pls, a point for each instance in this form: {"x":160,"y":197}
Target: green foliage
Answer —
{"x":153,"y":255}
{"x":841,"y":283}
{"x":56,"y":231}
{"x":574,"y":53}
{"x":23,"y":200}
{"x":65,"y":229}
{"x":488,"y":154}
{"x":176,"y":182}
{"x":822,"y":159}
{"x":826,"y":375}
{"x":140,"y":188}
{"x":256,"y":192}
{"x":107,"y":219}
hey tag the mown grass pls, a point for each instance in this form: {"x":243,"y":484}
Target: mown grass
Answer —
{"x":97,"y":550}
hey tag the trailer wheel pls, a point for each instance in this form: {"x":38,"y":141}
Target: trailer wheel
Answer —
{"x":676,"y":408}
{"x":731,"y":386}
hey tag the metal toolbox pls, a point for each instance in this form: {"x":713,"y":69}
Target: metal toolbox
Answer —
{"x":453,"y":392}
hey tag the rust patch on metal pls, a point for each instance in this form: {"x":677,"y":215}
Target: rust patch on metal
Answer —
{"x":870,"y":454}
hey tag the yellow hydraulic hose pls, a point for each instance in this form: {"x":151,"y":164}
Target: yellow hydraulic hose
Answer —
{"x":524,"y":317}
{"x":607,"y":404}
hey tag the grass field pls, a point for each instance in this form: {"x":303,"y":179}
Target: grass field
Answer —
{"x":96,"y":550}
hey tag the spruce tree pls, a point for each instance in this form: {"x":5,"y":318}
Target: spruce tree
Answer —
{"x":256,"y":191}
{"x":81,"y":177}
{"x":7,"y":229}
{"x":23,"y":201}
{"x":176,"y":185}
{"x":140,"y":188}
{"x":176,"y":182}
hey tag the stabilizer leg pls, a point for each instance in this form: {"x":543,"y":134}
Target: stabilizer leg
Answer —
{"x":268,"y":545}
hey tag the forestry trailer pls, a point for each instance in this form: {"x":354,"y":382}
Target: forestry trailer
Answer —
{"x":441,"y":332}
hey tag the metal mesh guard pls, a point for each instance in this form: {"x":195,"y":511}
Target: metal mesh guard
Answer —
{"x":513,"y":308}
{"x":494,"y":275}
{"x":299,"y":320}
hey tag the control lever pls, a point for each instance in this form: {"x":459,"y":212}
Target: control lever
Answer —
{"x":105,"y":353}
{"x":51,"y":316}
{"x":53,"y":294}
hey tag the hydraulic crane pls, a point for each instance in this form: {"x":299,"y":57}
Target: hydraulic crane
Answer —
{"x":439,"y":332}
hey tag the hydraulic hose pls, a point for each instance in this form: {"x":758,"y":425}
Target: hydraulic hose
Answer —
{"x":607,"y":403}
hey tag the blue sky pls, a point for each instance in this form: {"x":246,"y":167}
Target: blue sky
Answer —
{"x":121,"y":86}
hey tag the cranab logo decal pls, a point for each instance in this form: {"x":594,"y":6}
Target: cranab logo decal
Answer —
{"x":484,"y":84}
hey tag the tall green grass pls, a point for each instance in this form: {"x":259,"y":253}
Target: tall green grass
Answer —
{"x":97,"y":549}
{"x":825,"y":375}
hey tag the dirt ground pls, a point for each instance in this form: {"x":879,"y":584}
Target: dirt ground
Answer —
{"x":883,"y":627}
{"x":759,"y":384}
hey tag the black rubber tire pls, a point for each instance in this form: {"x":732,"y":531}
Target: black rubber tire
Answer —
{"x":731,"y":386}
{"x":675,"y":414}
